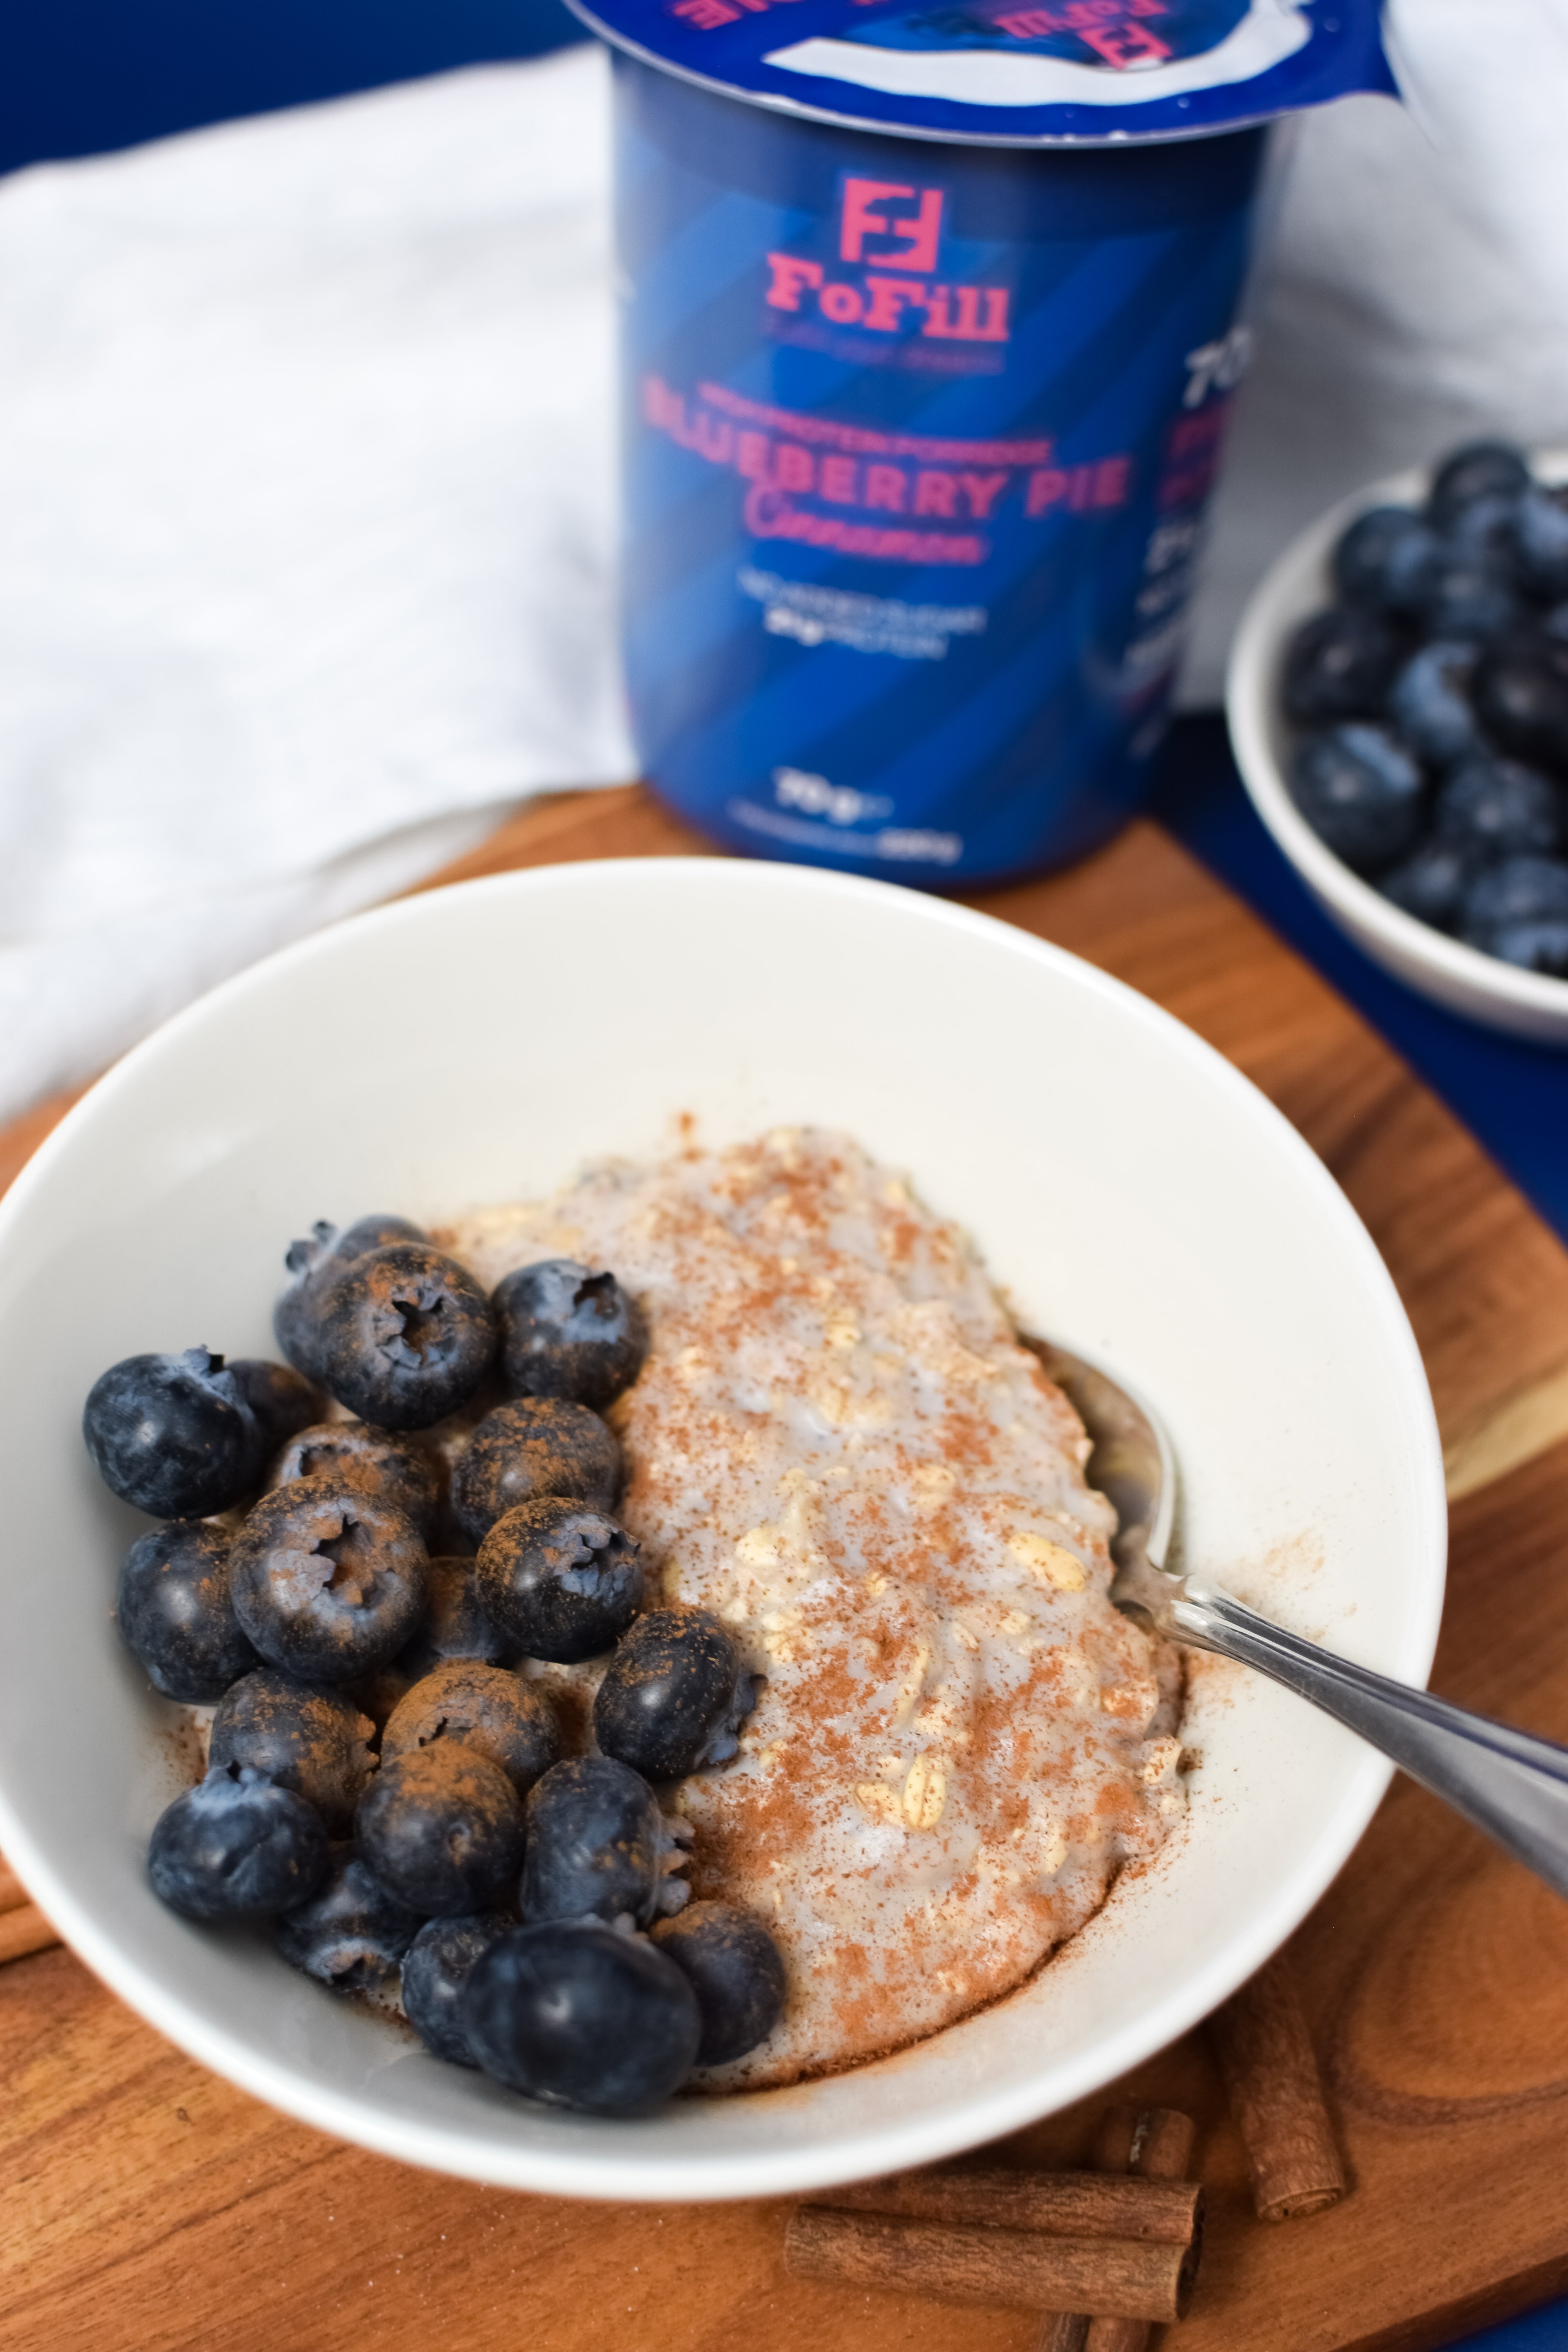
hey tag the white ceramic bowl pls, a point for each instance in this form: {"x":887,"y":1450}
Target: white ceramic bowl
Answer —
{"x":1141,"y":1199}
{"x":1529,"y":1004}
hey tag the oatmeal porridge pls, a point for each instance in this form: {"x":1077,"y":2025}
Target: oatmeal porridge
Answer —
{"x":838,"y":1445}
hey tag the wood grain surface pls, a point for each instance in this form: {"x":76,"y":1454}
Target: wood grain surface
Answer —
{"x":148,"y":2207}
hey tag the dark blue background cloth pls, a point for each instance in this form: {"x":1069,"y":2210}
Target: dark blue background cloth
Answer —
{"x":78,"y":76}
{"x":1512,"y":1095}
{"x":1545,"y":2330}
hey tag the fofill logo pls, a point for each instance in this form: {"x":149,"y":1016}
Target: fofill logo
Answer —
{"x":889,"y":234}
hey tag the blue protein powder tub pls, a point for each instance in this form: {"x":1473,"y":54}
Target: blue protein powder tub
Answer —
{"x":929,"y":339}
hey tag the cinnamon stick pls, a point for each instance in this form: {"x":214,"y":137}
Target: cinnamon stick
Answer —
{"x":1063,"y":2204}
{"x":1135,"y":2278}
{"x":1153,"y":2144}
{"x":23,"y":1930}
{"x":1275,"y":2095}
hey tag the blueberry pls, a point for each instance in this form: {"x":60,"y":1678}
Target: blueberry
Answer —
{"x":1534,"y":947}
{"x":367,"y":1234}
{"x":579,"y":2016}
{"x":176,"y":1611}
{"x":378,"y":1694}
{"x":1518,"y":910}
{"x":171,"y":1434}
{"x":1497,"y":808}
{"x":562,"y":1580}
{"x":315,"y":1265}
{"x":435,"y":1971}
{"x":1341,"y":664}
{"x":407,"y":1336}
{"x":1384,"y":559}
{"x":1429,"y":703}
{"x":1468,"y":597}
{"x":442,"y":1828}
{"x":295,"y":1315}
{"x":236,"y":1847}
{"x":282,"y":1400}
{"x":352,"y":1932}
{"x":454,"y":1625}
{"x":487,"y":1708}
{"x":1521,"y":696}
{"x":311,"y":1740}
{"x":540,"y":1446}
{"x":734,"y":1968}
{"x":1478,"y":469}
{"x":1486,"y":533}
{"x":1541,"y":543}
{"x":674,"y":1696}
{"x":1361,"y":793}
{"x":396,"y":1468}
{"x":1430,"y":884}
{"x":568,"y":1331}
{"x":600,"y":1847}
{"x":328,"y":1581}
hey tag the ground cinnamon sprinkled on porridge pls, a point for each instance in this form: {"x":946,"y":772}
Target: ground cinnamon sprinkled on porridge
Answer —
{"x":838,"y":1447}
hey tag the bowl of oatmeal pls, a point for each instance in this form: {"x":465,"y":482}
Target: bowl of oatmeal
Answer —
{"x":844,"y":1144}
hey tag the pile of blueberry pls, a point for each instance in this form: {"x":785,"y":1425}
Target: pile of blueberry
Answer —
{"x":382,"y":1784}
{"x":1433,"y":699}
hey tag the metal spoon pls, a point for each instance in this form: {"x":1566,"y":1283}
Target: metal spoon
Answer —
{"x":1510,"y":1785}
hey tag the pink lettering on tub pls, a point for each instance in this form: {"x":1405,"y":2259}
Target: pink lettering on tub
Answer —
{"x":1079,"y":488}
{"x":1191,"y":455}
{"x":889,"y":226}
{"x":867,"y":440}
{"x":936,"y":493}
{"x":913,"y":242}
{"x":982,"y":490}
{"x":956,"y":314}
{"x":769,"y":515}
{"x":785,"y":457}
{"x":1107,"y":26}
{"x":792,"y":276}
{"x":707,"y":15}
{"x":888,"y":297}
{"x":965,"y":323}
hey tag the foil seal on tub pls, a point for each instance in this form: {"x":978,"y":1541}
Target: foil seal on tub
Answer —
{"x":930,"y":335}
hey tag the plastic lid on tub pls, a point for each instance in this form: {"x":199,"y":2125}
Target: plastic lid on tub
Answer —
{"x":1014,"y":72}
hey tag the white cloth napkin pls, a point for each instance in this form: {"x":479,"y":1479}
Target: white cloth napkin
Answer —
{"x":1417,"y":293}
{"x":307,"y":478}
{"x":305,"y":516}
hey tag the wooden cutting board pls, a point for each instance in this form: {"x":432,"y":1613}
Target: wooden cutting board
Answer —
{"x":148,"y":2207}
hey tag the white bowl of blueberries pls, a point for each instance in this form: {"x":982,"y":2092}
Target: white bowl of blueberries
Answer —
{"x":1398,"y":708}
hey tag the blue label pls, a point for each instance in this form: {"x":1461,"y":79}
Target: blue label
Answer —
{"x":1015,"y":71}
{"x":917,"y":442}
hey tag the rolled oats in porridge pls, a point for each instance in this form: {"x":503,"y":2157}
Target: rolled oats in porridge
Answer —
{"x":838,"y":1445}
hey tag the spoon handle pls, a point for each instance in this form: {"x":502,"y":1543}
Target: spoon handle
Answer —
{"x":1510,"y":1785}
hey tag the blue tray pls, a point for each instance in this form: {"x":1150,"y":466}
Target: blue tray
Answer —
{"x":1512,"y":1096}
